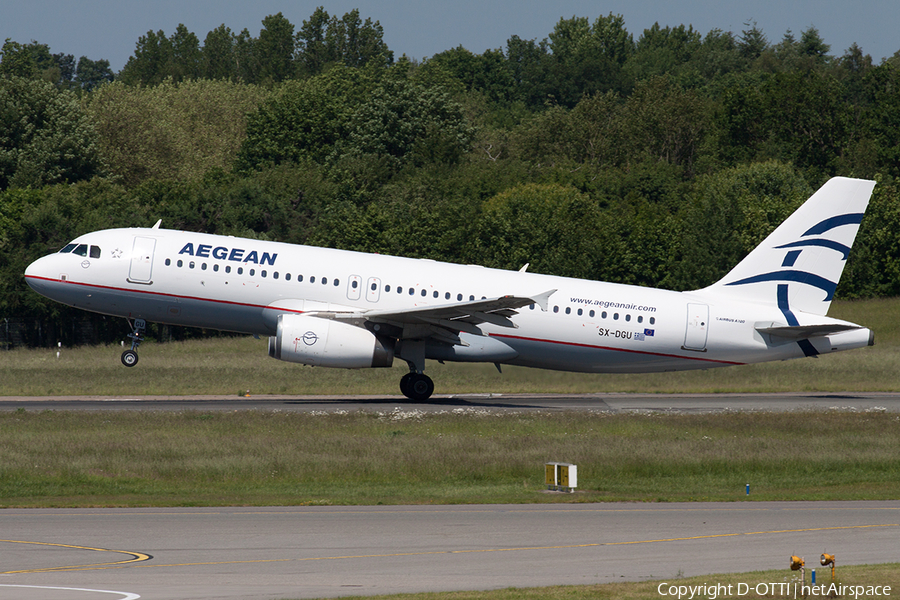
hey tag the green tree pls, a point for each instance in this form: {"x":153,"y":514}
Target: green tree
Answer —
{"x":403,"y":123}
{"x":17,"y":60}
{"x":45,"y":137}
{"x":172,"y":131}
{"x":90,"y":74}
{"x":275,"y":49}
{"x":323,"y":40}
{"x":302,"y":120}
{"x":553,"y":228}
{"x":752,"y":42}
{"x":665,"y":123}
{"x":151,"y":60}
{"x":186,"y":55}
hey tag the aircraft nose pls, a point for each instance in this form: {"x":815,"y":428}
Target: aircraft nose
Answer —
{"x":37,"y":274}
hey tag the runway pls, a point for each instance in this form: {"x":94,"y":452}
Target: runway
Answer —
{"x":304,"y":552}
{"x":675,"y":403}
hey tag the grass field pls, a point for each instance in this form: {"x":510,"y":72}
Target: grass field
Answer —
{"x":233,"y":365}
{"x":255,"y":458}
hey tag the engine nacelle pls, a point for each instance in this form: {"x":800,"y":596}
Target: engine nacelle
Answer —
{"x":327,"y":343}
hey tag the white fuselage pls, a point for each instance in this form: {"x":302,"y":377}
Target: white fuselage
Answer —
{"x":242,"y":285}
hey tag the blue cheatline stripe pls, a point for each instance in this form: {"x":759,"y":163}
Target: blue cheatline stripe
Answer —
{"x":832,"y":222}
{"x":784,"y":306}
{"x":844,"y":250}
{"x":799,"y":276}
{"x":790,"y":258}
{"x":808,"y":348}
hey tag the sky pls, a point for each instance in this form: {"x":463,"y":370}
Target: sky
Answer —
{"x":109,"y":29}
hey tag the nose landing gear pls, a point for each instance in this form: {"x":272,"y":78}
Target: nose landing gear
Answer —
{"x":130,"y":357}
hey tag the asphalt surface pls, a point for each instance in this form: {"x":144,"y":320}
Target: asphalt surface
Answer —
{"x":871,"y":401}
{"x":305,"y":552}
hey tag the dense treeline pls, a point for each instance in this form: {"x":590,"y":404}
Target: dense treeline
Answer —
{"x":659,"y":160}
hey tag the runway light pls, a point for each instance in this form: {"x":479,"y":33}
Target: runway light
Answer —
{"x":797,"y":563}
{"x":826,"y":560}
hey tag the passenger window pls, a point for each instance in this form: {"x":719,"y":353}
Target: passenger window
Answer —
{"x":568,"y":310}
{"x":627,"y":317}
{"x":240,"y":270}
{"x":324,"y":281}
{"x":615,"y":316}
{"x":412,"y":291}
{"x":374,"y":286}
{"x":459,"y":297}
{"x":580,"y":312}
{"x":168,"y":262}
{"x":591,"y":313}
{"x":640,"y":319}
{"x":556,"y":309}
{"x":203,"y":266}
{"x":354,"y":284}
{"x":471,"y":298}
{"x":192,"y":264}
{"x":603,"y":314}
{"x":180,"y":263}
{"x":275,"y":275}
{"x":652,"y":320}
{"x":216,"y":267}
{"x":299,"y":278}
{"x":337,"y":282}
{"x":387,"y":288}
{"x":227,"y":268}
{"x":423,"y":293}
{"x":252,"y":272}
{"x":287,"y":276}
{"x":312,"y":279}
{"x":447,"y":296}
{"x":95,"y":251}
{"x":263,"y":273}
{"x":436,"y":294}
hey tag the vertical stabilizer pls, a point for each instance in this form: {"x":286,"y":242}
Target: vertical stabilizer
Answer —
{"x":799,"y":265}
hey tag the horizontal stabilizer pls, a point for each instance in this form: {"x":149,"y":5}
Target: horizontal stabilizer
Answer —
{"x":802,"y":332}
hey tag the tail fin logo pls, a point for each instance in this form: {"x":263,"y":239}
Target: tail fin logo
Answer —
{"x":793,"y":254}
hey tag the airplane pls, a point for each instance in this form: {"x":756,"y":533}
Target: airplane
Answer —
{"x":336,"y":308}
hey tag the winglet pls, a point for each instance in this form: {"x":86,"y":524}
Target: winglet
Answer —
{"x":543,"y":299}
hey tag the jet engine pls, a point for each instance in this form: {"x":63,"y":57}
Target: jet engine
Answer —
{"x":323,"y":342}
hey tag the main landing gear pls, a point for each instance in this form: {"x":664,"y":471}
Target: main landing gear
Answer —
{"x":130,"y":357}
{"x":416,"y":386}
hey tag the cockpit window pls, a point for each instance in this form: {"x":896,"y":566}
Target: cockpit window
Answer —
{"x":95,"y":251}
{"x":67,"y":248}
{"x":80,"y":250}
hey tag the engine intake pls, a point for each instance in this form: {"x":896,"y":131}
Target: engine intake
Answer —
{"x":327,"y":343}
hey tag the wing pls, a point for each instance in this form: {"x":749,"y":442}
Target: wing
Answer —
{"x":444,"y":322}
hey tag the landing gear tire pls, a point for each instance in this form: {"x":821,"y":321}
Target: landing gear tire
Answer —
{"x":417,"y":386}
{"x":404,"y":384}
{"x":129,"y":358}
